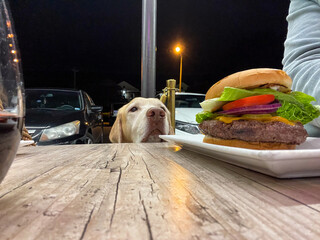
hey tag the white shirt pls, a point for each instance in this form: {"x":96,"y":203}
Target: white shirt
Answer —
{"x":302,"y":49}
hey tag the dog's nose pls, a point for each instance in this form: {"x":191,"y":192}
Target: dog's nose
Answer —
{"x":156,"y":113}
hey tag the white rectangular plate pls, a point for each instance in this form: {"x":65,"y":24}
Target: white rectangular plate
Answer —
{"x":304,"y":161}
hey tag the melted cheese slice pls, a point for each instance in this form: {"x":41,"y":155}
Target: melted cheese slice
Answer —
{"x":262,"y":117}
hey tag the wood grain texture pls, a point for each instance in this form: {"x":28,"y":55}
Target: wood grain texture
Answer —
{"x":149,"y":191}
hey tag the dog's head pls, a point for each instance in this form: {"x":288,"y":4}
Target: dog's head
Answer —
{"x":141,"y":120}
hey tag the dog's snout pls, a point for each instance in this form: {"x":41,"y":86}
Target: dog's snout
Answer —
{"x":156,"y":113}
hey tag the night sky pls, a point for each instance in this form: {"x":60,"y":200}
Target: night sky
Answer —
{"x":102,"y":39}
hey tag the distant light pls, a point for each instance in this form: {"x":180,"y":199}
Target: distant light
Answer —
{"x":124,"y":92}
{"x":16,"y":60}
{"x":10,"y":45}
{"x":8,"y":24}
{"x":10,"y":35}
{"x":13,"y":51}
{"x":178,"y":49}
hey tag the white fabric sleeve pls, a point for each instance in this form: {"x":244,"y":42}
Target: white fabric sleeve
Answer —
{"x":302,"y":48}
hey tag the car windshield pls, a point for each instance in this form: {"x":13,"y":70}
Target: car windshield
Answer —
{"x":189,"y":101}
{"x":53,"y":99}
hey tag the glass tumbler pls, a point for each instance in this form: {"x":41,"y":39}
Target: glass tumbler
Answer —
{"x":11,"y":92}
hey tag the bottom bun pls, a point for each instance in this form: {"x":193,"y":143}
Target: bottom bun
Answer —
{"x":249,"y":145}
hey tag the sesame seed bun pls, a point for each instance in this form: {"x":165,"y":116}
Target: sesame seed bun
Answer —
{"x":250,"y":79}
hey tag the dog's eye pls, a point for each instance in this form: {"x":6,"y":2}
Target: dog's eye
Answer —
{"x":133,"y":109}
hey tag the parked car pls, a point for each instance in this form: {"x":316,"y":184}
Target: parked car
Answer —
{"x":61,"y":116}
{"x":110,"y":117}
{"x":115,"y":108}
{"x":187,"y":106}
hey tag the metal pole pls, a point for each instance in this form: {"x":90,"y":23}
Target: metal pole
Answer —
{"x":180,"y":79}
{"x":171,"y":86}
{"x":148,"y":48}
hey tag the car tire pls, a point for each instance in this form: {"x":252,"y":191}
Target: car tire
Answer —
{"x":88,"y":139}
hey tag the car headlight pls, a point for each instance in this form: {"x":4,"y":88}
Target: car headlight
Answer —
{"x":61,"y":131}
{"x":188,"y":127}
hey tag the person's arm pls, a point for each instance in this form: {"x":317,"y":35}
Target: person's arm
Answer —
{"x":302,"y":47}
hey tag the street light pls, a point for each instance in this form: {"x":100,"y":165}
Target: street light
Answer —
{"x":179,"y":51}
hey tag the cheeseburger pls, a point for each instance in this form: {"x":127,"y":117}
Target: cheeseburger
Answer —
{"x":256,"y":109}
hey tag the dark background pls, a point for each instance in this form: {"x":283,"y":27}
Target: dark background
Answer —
{"x":101,"y":39}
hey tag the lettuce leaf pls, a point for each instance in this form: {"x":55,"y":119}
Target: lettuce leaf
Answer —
{"x":201,"y":116}
{"x":232,"y":94}
{"x":302,"y":97}
{"x":296,"y":106}
{"x":293,"y":112}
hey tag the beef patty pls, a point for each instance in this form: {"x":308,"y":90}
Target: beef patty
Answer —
{"x":255,"y":131}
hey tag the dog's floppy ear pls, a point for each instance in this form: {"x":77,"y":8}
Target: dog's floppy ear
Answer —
{"x":116,"y":134}
{"x":171,"y":131}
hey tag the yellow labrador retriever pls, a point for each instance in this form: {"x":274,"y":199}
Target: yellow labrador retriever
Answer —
{"x":141,"y":120}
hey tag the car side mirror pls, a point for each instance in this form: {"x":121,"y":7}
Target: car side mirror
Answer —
{"x":96,"y":108}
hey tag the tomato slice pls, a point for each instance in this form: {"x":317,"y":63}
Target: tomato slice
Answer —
{"x":249,"y":101}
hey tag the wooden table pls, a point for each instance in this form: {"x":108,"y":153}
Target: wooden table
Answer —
{"x":149,"y":191}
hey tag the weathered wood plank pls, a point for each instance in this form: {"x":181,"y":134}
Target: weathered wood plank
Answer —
{"x":149,"y":191}
{"x":46,"y":197}
{"x":247,"y":198}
